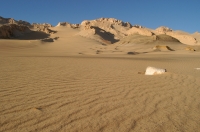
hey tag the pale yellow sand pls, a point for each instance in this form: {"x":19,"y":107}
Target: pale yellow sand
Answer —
{"x":68,"y":85}
{"x":99,"y":94}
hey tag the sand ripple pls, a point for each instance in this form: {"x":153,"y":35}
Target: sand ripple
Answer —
{"x":96,"y":94}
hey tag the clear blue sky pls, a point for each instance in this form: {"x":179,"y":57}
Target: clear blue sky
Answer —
{"x":176,"y":14}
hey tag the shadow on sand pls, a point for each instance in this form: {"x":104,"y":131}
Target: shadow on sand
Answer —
{"x":106,"y":36}
{"x":33,"y":35}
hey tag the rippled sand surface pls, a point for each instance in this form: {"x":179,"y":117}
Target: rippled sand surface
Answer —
{"x":95,"y":94}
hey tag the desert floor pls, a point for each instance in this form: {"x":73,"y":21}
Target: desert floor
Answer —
{"x":94,"y":93}
{"x":76,"y":84}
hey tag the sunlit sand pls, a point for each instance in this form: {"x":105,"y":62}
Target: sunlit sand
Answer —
{"x":91,"y":78}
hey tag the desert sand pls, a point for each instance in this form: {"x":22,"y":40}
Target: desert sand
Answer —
{"x":90,"y":78}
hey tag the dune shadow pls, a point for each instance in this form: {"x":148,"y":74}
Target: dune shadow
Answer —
{"x":51,"y":31}
{"x":107,"y":36}
{"x":33,"y":35}
{"x":132,"y":53}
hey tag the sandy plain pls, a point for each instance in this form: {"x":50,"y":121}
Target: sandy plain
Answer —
{"x":77,"y":84}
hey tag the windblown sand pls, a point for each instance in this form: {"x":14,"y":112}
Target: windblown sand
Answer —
{"x":78,"y":85}
{"x":84,"y":93}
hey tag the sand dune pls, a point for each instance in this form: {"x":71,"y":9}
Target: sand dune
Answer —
{"x":90,"y":78}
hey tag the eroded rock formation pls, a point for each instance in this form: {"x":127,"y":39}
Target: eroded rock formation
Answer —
{"x":4,"y":21}
{"x":68,"y":25}
{"x":45,"y":27}
{"x":105,"y":30}
{"x":12,"y":30}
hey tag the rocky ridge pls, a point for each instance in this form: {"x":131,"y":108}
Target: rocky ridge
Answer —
{"x":45,"y":27}
{"x":104,"y":30}
{"x":68,"y":25}
{"x":11,"y":28}
{"x":4,"y":21}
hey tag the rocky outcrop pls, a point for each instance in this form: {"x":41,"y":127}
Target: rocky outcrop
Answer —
{"x":162,"y":48}
{"x":190,"y":49}
{"x":12,"y":30}
{"x":105,"y":30}
{"x":68,"y":25}
{"x":112,"y":30}
{"x":185,"y":39}
{"x":138,"y":26}
{"x":166,"y":38}
{"x":98,"y":34}
{"x":4,"y":21}
{"x":37,"y":25}
{"x":196,"y":35}
{"x":182,"y":37}
{"x":116,"y":27}
{"x":45,"y":27}
{"x":139,"y":30}
{"x":163,"y":30}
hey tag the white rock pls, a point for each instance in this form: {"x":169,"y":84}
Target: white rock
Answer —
{"x":153,"y":71}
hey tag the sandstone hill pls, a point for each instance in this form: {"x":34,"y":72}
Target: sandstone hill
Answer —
{"x":110,"y":30}
{"x":11,"y":28}
{"x":4,"y":21}
{"x":68,"y":25}
{"x":183,"y":37}
{"x":103,"y":30}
